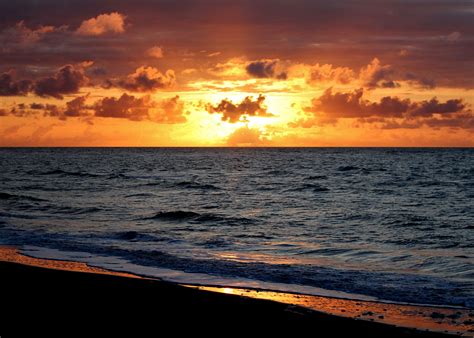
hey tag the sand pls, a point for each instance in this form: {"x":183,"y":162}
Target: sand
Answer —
{"x":42,"y":294}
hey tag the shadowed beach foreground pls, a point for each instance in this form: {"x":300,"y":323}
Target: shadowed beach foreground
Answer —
{"x":44,"y":296}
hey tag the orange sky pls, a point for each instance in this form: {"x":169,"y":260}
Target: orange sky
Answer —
{"x":242,"y":74}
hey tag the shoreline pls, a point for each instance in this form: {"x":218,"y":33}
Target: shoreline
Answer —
{"x":193,"y":303}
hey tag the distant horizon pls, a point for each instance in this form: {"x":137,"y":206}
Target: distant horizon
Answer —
{"x":236,"y":147}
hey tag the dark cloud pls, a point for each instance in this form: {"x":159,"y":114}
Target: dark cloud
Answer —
{"x":68,"y":80}
{"x":146,"y":79}
{"x":10,"y":87}
{"x":433,"y":106}
{"x":465,"y":121}
{"x":37,"y":106}
{"x":352,"y":105}
{"x":455,"y":121}
{"x":34,"y":109}
{"x":420,"y":82}
{"x":76,"y":107}
{"x":436,"y":33}
{"x":265,"y":69}
{"x":168,"y":111}
{"x":98,"y":71}
{"x":20,"y":33}
{"x":330,"y":107}
{"x":234,"y":112}
{"x":127,"y":106}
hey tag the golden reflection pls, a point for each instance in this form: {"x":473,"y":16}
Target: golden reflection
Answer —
{"x":11,"y":254}
{"x":228,"y":291}
{"x":453,"y":320}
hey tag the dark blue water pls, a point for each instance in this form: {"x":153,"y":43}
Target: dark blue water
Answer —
{"x":396,"y":224}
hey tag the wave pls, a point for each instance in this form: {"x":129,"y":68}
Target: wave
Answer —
{"x":195,"y":185}
{"x":254,"y":235}
{"x":61,"y":172}
{"x":215,"y":243}
{"x":117,"y":176}
{"x":178,"y":215}
{"x":135,"y":236}
{"x":86,"y":210}
{"x":180,"y":185}
{"x":309,"y":186}
{"x":347,"y":168}
{"x":143,"y":194}
{"x":194,"y":217}
{"x":325,"y":251}
{"x":150,"y":184}
{"x":316,"y":177}
{"x":217,"y":218}
{"x":7,"y":196}
{"x":383,"y":285}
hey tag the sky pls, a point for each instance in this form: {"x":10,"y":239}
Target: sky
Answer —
{"x":254,"y":73}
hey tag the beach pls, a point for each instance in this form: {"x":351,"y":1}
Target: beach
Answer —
{"x":43,"y":293}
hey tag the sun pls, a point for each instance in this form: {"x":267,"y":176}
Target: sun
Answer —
{"x":205,"y":129}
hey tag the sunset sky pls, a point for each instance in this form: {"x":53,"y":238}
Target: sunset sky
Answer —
{"x":237,"y":73}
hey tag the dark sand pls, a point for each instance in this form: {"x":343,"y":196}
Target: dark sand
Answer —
{"x":49,"y":300}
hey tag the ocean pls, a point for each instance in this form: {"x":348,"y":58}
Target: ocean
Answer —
{"x":389,"y":224}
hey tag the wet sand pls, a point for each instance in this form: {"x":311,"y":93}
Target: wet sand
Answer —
{"x":42,"y":293}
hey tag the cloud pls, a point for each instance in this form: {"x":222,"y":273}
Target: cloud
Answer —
{"x":352,"y":105}
{"x":374,"y":75}
{"x":403,"y":52}
{"x":76,"y":107}
{"x":246,"y":137}
{"x":102,"y":24}
{"x":67,"y":80}
{"x":214,"y":54}
{"x":233,"y":68}
{"x":155,"y":52}
{"x":433,"y":106}
{"x":330,"y":107}
{"x":377,"y":75}
{"x":168,"y":111}
{"x":436,"y":34}
{"x":127,"y":106}
{"x":266,"y":69}
{"x":189,"y":71}
{"x":454,"y":36}
{"x":21,"y":33}
{"x":327,"y":73}
{"x":419,"y":82}
{"x":146,"y":79}
{"x":236,"y":112}
{"x":10,"y":87}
